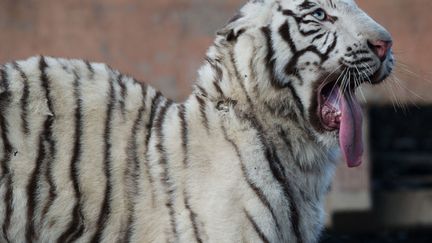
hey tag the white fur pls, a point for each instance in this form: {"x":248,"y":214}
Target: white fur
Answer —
{"x":217,"y":183}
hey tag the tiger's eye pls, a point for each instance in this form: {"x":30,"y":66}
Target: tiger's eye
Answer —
{"x":320,"y":14}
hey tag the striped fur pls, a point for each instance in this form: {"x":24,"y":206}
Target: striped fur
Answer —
{"x":90,"y":155}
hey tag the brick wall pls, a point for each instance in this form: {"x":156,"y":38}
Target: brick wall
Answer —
{"x":160,"y":42}
{"x":163,"y":42}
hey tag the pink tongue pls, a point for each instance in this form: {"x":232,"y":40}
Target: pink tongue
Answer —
{"x":350,"y":133}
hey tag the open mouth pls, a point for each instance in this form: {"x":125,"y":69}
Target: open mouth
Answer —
{"x":338,"y":110}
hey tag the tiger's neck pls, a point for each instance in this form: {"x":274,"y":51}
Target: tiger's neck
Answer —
{"x":234,"y":82}
{"x":237,"y":73}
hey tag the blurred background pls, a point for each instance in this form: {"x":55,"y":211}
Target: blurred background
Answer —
{"x":163,"y":42}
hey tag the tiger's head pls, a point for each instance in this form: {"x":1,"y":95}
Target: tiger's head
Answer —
{"x":320,"y":51}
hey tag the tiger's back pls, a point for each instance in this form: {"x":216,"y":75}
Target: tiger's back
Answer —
{"x":71,"y":134}
{"x":91,"y":155}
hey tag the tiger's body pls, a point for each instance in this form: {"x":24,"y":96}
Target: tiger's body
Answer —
{"x":91,"y":155}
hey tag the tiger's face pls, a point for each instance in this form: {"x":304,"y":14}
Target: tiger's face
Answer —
{"x":323,"y":50}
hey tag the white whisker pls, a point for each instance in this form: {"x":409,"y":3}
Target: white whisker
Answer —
{"x":342,"y":75}
{"x":335,"y":84}
{"x":397,"y":80}
{"x":358,"y":83}
{"x":403,"y":68}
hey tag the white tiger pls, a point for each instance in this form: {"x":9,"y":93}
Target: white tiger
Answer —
{"x":90,"y":155}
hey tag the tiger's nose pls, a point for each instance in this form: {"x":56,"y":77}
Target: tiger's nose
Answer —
{"x":380,"y":47}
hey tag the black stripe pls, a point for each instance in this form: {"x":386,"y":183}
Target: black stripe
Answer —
{"x":218,"y":88}
{"x":4,"y":80}
{"x":256,"y":227}
{"x":202,"y":90}
{"x":9,"y":209}
{"x":134,"y":168}
{"x":270,"y":59}
{"x":105,"y":210}
{"x":5,"y":99}
{"x":259,"y":193}
{"x":157,"y":99}
{"x":184,"y":132}
{"x":285,"y":32}
{"x":218,"y":71}
{"x":45,"y":83}
{"x":309,"y":21}
{"x":317,"y":37}
{"x":155,"y":104}
{"x":332,"y":4}
{"x":310,"y":32}
{"x":193,"y":217}
{"x":278,"y":172}
{"x":24,"y":99}
{"x":360,"y":61}
{"x":306,"y":5}
{"x":51,"y":157}
{"x":203,"y":108}
{"x":233,"y":35}
{"x":165,"y":175}
{"x":239,"y":78}
{"x":291,"y":67}
{"x":326,"y":39}
{"x":46,"y":135}
{"x":144,"y":89}
{"x":332,"y":19}
{"x":123,"y":93}
{"x":282,"y":133}
{"x":90,"y":69}
{"x":33,"y":185}
{"x":356,"y":53}
{"x":76,"y":227}
{"x":52,"y":194}
{"x":287,"y":12}
{"x":297,"y":100}
{"x":331,"y":47}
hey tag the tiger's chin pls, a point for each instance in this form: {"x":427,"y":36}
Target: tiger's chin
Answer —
{"x":339,"y":113}
{"x":383,"y":72}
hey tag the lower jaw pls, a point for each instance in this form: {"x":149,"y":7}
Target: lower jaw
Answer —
{"x":379,"y":76}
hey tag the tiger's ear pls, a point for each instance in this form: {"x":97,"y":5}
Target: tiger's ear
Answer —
{"x":245,"y":19}
{"x":230,"y":34}
{"x":232,"y":30}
